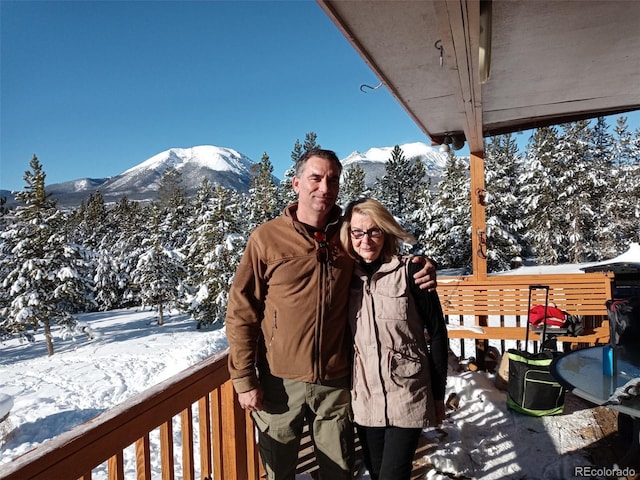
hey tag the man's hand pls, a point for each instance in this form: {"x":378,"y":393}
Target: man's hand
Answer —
{"x":426,"y":277}
{"x":251,"y":400}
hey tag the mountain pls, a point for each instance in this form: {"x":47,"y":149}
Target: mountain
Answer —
{"x":372,"y":161}
{"x":221,"y":165}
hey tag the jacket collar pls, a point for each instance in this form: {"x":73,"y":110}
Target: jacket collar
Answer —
{"x":335,"y":216}
{"x":386,"y":267}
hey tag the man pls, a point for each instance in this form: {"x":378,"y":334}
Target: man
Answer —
{"x":287,"y":326}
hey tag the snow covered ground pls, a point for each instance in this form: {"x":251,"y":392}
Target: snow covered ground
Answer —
{"x":129,"y":353}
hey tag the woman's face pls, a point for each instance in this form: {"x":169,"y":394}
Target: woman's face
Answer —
{"x":369,"y":245}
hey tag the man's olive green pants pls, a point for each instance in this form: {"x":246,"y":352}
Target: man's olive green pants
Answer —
{"x":326,"y":408}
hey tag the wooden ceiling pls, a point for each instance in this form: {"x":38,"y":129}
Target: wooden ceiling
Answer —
{"x":481,"y":68}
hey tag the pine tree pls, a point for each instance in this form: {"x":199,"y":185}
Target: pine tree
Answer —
{"x":425,"y":218}
{"x":46,"y":278}
{"x":539,"y":197}
{"x":503,"y":201}
{"x":160,"y":271}
{"x":310,"y":141}
{"x":132,"y":226}
{"x":173,"y":208}
{"x":286,"y":186}
{"x":448,"y":236}
{"x":297,"y":151}
{"x":574,"y":193}
{"x":89,"y":223}
{"x":34,"y":195}
{"x":633,"y":187}
{"x":622,"y":148}
{"x":109,"y":281}
{"x":3,"y":208}
{"x":352,"y":185}
{"x":604,"y":181}
{"x":264,"y":196}
{"x":171,"y":192}
{"x":623,"y":205}
{"x":400,"y":185}
{"x":215,"y":247}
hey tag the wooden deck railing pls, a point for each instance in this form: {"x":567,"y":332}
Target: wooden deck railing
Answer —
{"x":227,"y":448}
{"x":214,"y":438}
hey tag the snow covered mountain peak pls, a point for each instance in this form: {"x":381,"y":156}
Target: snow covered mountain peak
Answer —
{"x":206,"y":156}
{"x":373,"y":160}
{"x":382,"y":154}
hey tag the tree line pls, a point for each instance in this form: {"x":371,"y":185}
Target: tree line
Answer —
{"x":573,"y":195}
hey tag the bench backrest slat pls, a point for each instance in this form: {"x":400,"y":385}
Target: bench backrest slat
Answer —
{"x":577,"y":294}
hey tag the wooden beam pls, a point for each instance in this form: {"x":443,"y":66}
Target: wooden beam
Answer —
{"x":478,"y":215}
{"x":459,"y":23}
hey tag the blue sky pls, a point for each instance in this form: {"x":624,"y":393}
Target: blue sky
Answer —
{"x":96,"y":87}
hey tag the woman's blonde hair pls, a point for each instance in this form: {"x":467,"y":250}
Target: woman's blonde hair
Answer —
{"x":394,"y":234}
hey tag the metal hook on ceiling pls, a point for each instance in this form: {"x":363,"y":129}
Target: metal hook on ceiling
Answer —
{"x":364,"y":85}
{"x":438,"y":45}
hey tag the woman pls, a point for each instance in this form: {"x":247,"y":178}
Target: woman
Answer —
{"x":399,"y":376}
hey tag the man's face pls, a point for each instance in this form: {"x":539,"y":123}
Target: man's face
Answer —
{"x":317,"y":186}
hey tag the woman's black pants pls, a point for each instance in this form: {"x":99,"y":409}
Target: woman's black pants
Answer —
{"x":388,"y":451}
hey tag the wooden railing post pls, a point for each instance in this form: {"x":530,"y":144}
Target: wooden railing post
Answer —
{"x":186,"y":427}
{"x":234,"y":446}
{"x":204,"y":423}
{"x":254,"y":466}
{"x":143,"y":458}
{"x":166,"y":450}
{"x":115,"y":467}
{"x":216,"y":434}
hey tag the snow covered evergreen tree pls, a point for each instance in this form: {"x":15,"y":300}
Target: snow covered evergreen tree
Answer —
{"x":286,"y":186}
{"x":352,"y":185}
{"x":132,"y":226}
{"x":88,"y":223}
{"x":575,"y":188}
{"x":425,"y":217}
{"x":605,"y":179}
{"x":171,"y":192}
{"x":448,"y":234}
{"x":503,"y":203}
{"x":623,"y":199}
{"x":397,"y":188}
{"x":160,"y":271}
{"x":215,"y":247}
{"x":110,"y":282}
{"x":46,"y":278}
{"x":173,"y":209}
{"x":264,"y":196}
{"x":539,"y":197}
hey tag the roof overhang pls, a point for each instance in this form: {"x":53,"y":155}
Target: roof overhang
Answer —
{"x":480,"y":68}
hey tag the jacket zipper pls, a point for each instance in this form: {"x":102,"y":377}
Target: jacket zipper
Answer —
{"x":324,"y":287}
{"x":379,"y":344}
{"x":274,"y":328}
{"x":324,"y":292}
